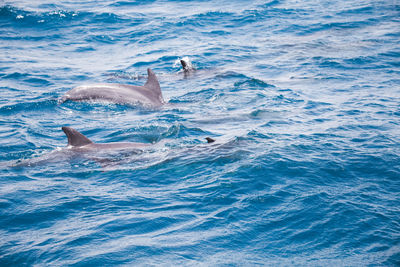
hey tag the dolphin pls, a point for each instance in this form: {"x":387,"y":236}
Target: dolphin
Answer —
{"x":187,"y":66}
{"x":80,"y":143}
{"x":79,"y":146}
{"x":148,"y":95}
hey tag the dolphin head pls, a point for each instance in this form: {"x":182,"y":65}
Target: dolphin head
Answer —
{"x":185,"y":65}
{"x":210,"y":140}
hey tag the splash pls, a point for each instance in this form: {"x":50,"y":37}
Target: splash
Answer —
{"x":186,"y":59}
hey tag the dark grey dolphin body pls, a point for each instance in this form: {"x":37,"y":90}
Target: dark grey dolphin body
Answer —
{"x":148,"y":95}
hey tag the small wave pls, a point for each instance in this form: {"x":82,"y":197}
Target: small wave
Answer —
{"x":230,"y":74}
{"x":252,"y":83}
{"x":32,"y":80}
{"x":33,"y":106}
{"x":339,"y":27}
{"x":131,"y":3}
{"x":207,"y":19}
{"x":195,"y":96}
{"x":180,"y":131}
{"x":29,"y":18}
{"x":59,"y":18}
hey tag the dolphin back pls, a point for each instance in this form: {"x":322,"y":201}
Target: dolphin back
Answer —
{"x":75,"y":138}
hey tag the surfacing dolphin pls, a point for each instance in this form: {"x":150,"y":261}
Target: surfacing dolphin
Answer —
{"x":79,"y":146}
{"x":148,"y":95}
{"x":187,"y":67}
{"x":80,"y":143}
{"x":107,"y":154}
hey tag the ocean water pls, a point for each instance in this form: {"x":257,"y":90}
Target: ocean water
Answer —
{"x":302,"y":98}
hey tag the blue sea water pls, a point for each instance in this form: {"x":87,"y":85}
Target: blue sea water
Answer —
{"x":302,"y":97}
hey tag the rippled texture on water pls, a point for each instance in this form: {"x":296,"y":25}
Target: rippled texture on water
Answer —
{"x":301,"y":96}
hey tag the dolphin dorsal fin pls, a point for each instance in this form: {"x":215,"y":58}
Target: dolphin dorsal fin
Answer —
{"x":75,"y":138}
{"x":153,"y":84}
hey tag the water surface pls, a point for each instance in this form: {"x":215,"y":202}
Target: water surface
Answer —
{"x":302,"y":98}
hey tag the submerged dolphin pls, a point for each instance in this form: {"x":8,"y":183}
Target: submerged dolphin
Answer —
{"x":81,"y":146}
{"x":79,"y":142}
{"x":107,"y":154}
{"x":148,"y":95}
